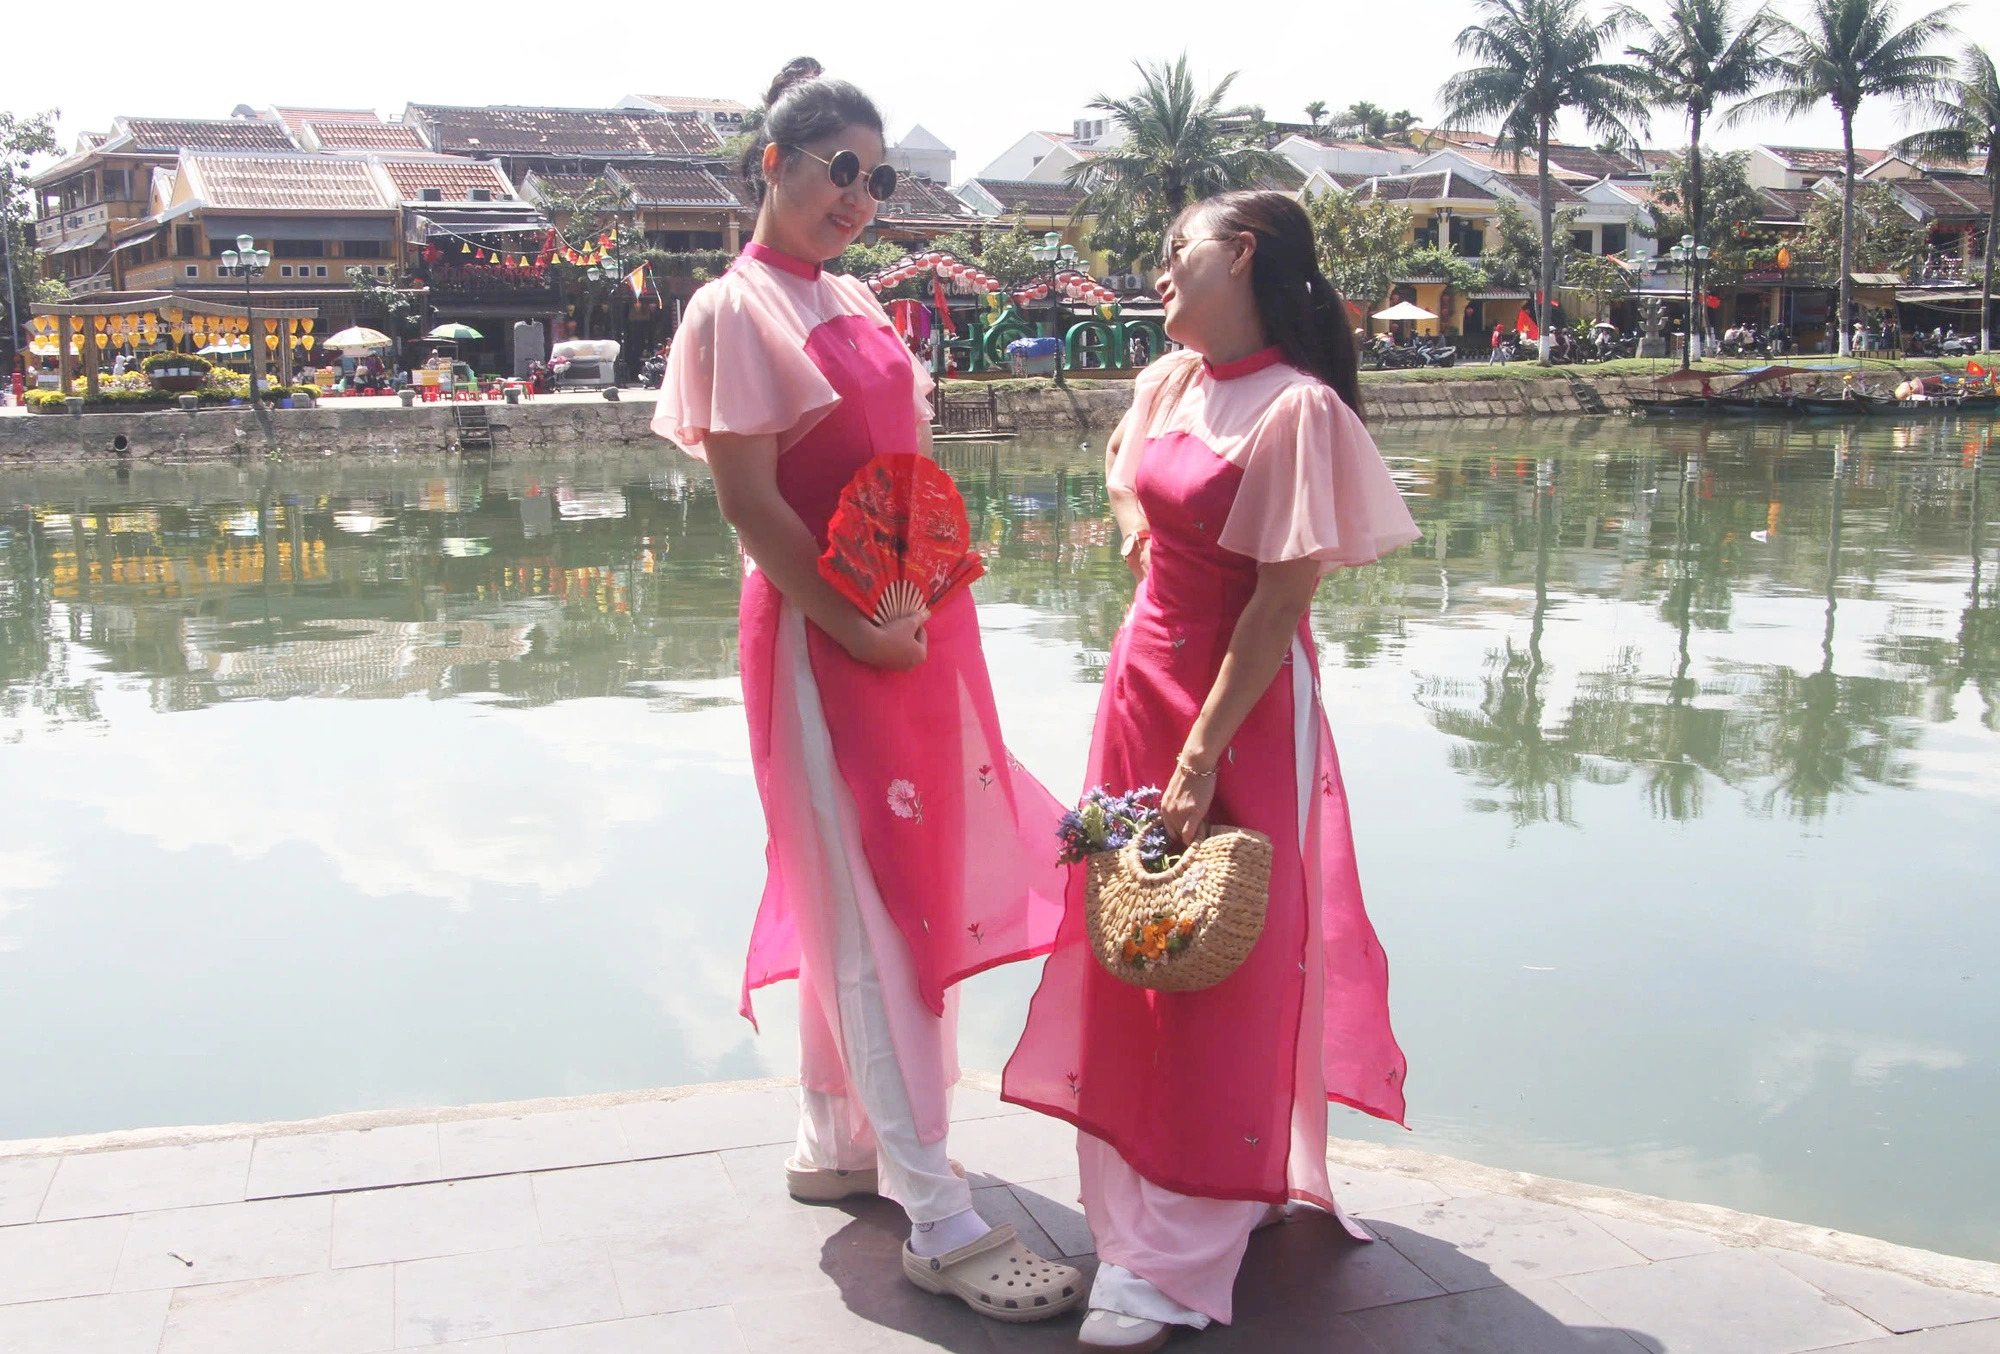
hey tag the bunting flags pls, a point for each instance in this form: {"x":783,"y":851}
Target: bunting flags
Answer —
{"x":636,"y":280}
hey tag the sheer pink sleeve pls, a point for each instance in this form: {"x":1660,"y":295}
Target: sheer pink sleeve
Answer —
{"x":923,"y":385}
{"x":736,"y":367}
{"x":1121,"y":470}
{"x":1314,"y":486}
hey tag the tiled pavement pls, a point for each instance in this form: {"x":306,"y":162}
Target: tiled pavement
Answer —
{"x":659,"y":1223}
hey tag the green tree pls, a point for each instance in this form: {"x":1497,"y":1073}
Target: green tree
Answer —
{"x":1701,"y":51}
{"x":1844,"y":53}
{"x":1871,"y":232}
{"x":1731,"y":207}
{"x":1513,"y":256}
{"x":1602,"y":280}
{"x":591,"y":212}
{"x":1003,"y":253}
{"x":1965,"y":125}
{"x":1316,"y":114}
{"x":1369,"y":122}
{"x":1361,"y":242}
{"x":1181,"y":144}
{"x":21,"y":140}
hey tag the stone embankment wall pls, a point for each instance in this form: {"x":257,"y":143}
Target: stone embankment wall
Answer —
{"x":235,"y":432}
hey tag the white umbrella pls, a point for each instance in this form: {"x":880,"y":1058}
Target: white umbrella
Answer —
{"x":358,"y":337}
{"x":229,"y":349}
{"x":1403,"y":310}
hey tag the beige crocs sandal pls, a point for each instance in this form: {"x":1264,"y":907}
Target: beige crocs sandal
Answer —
{"x":1127,"y":1334}
{"x":997,"y":1276}
{"x":823,"y":1185}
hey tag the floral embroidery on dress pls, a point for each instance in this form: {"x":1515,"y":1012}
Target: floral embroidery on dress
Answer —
{"x":904,"y":801}
{"x":977,"y":933}
{"x":1075,"y":1086}
{"x":986,"y":776}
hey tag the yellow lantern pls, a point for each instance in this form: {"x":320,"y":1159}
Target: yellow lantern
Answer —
{"x":174,"y":314}
{"x":271,"y":342}
{"x":308,"y":340}
{"x":99,"y":321}
{"x":103,"y":340}
{"x":270,"y":326}
{"x":306,"y":325}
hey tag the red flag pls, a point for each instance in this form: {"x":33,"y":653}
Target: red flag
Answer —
{"x":1525,"y":326}
{"x":943,"y":307}
{"x":1974,"y":369}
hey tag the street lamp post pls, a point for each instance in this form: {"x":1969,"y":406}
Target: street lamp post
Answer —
{"x":1684,"y":253}
{"x":607,"y":269}
{"x":1057,"y":256}
{"x":247,"y":261}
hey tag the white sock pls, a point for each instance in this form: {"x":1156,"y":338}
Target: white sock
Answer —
{"x":948,"y":1234}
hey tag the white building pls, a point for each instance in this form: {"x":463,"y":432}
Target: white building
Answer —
{"x":919,"y":151}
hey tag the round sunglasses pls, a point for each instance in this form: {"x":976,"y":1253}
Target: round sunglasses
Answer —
{"x":845,"y":167}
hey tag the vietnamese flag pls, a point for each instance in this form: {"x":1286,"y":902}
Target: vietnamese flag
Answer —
{"x":1525,"y":326}
{"x":1974,"y":369}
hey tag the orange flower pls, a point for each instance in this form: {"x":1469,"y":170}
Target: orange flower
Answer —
{"x":1131,"y":952}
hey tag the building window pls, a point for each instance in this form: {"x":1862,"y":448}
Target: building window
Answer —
{"x":365,"y":249}
{"x":285,"y":270}
{"x":298,"y":249}
{"x":430,"y":194}
{"x":192,"y":270}
{"x":1467,"y":240}
{"x":1614,"y":239}
{"x":117,"y":184}
{"x":1583,"y":240}
{"x":319,"y":270}
{"x":187,"y":241}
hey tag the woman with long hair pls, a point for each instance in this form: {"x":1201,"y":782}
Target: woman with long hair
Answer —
{"x":1240,"y":477}
{"x":905,"y":845}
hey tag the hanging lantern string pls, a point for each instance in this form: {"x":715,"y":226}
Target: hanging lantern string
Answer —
{"x":554,"y":243}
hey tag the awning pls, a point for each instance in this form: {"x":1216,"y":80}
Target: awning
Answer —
{"x":1917,"y":298}
{"x":1877,"y":279}
{"x":141,"y":238}
{"x":1498,"y":296}
{"x":80,"y":242}
{"x":301,"y":227}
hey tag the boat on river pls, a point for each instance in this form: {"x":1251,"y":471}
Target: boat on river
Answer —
{"x":1751,"y":396}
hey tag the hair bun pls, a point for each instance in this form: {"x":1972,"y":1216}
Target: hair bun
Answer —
{"x":796,"y":72}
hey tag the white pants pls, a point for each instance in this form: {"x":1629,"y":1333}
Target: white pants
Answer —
{"x":863,"y":981}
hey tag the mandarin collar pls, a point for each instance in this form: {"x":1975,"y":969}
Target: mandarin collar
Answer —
{"x":782,"y":261}
{"x":1243,"y":366}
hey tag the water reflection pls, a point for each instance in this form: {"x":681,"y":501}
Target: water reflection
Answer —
{"x":304,"y":758}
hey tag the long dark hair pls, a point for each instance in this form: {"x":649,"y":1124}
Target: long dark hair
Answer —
{"x":1301,"y":311}
{"x":803,"y":105}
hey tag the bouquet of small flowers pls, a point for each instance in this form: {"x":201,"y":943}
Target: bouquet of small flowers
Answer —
{"x":1108,"y":822}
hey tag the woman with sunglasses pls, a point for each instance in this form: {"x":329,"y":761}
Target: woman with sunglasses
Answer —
{"x":1240,"y":477}
{"x":906,"y":848}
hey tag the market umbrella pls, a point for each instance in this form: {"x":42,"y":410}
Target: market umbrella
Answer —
{"x":454,"y":333}
{"x":1403,"y":310}
{"x":358,"y":337}
{"x":229,"y":349}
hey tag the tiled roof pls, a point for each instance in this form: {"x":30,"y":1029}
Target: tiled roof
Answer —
{"x":677,"y":103}
{"x":1529,"y":186}
{"x":1284,"y":177}
{"x":611,"y":133}
{"x":1821,"y":158}
{"x":173,"y":134}
{"x":365,"y":135}
{"x":1938,"y":200}
{"x":674,"y":186}
{"x":295,"y":118}
{"x":569,"y":185}
{"x":1968,"y":187}
{"x":455,"y":180}
{"x":1783,"y":205}
{"x":1597,"y":164}
{"x":919,"y":198}
{"x":1042,"y":199}
{"x":285,"y":183}
{"x":1506,"y":162}
{"x":1439,"y":187}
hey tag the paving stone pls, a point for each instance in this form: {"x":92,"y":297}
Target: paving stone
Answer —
{"x":60,"y":1259}
{"x":1486,"y":1239}
{"x":1367,"y":1192}
{"x":1310,"y":1267}
{"x":997,"y":1204}
{"x":709,"y":1123}
{"x":1015,"y":1147}
{"x":450,"y":1217}
{"x":689,"y":1267}
{"x":311,"y":1163}
{"x":1656,"y":1242}
{"x":1538,"y":1317}
{"x":533,"y":1288}
{"x":1889,"y":1300}
{"x":711,"y":1330}
{"x":24,"y":1181}
{"x":531,"y":1142}
{"x":97,"y":1184}
{"x":1053,"y":1204}
{"x":225,"y":1243}
{"x":885,"y":1314}
{"x":1980,"y":1337}
{"x":349,"y":1311}
{"x":1730,"y":1302}
{"x":120,"y":1323}
{"x":970,"y":1103}
{"x":634,"y":1198}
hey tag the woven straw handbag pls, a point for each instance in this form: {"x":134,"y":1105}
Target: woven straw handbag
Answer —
{"x":1187,"y":927}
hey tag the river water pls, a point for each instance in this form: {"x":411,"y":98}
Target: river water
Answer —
{"x":1674,"y":754}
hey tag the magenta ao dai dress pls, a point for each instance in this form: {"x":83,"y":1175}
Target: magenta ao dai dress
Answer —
{"x":1197,"y":1110}
{"x":907,"y":850}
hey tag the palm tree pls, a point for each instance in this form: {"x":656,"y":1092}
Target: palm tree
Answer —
{"x":1703,"y":51}
{"x":1179,"y":145}
{"x":1316,"y":114}
{"x":1847,"y":51}
{"x":1965,"y":121}
{"x":1541,"y":59}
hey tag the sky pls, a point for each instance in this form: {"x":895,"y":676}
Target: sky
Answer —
{"x":978,"y":85}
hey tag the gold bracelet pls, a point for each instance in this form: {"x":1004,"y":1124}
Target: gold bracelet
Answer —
{"x":1181,"y":762}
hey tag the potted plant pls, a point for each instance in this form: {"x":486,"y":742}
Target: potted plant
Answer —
{"x":177,"y":371}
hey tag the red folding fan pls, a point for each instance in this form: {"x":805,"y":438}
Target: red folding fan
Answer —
{"x":899,"y":542}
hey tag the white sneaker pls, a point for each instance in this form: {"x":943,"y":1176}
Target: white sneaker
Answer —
{"x":1127,"y":1334}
